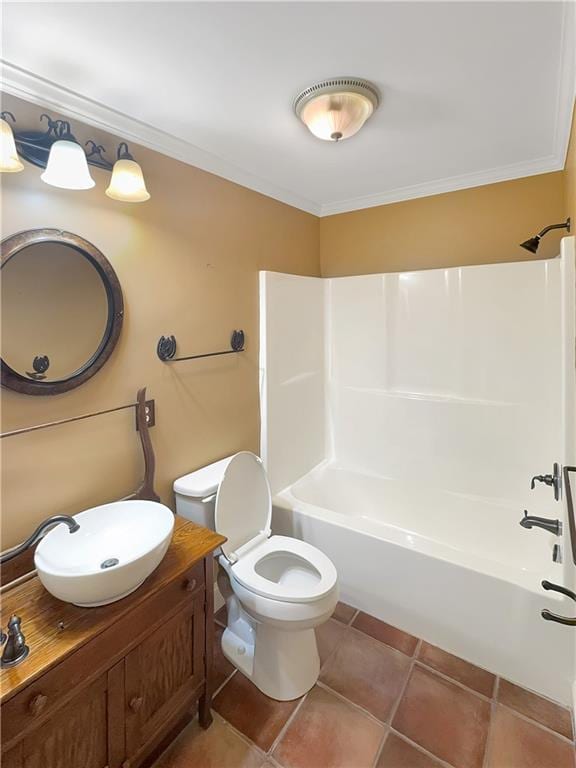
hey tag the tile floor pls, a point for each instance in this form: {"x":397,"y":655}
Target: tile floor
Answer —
{"x":385,"y":699}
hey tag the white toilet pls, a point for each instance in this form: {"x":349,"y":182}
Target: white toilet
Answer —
{"x":281,"y":588}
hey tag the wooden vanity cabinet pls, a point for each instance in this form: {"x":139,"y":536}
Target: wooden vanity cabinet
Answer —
{"x":83,"y":732}
{"x":108,"y":689}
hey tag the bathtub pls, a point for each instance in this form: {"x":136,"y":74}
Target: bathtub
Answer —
{"x":453,"y":569}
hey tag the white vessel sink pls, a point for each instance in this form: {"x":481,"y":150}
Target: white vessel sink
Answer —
{"x":117,"y":546}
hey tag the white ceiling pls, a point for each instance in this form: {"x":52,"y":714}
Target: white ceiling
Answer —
{"x":473,"y":92}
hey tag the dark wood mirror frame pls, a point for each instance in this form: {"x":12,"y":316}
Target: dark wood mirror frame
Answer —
{"x":13,"y":245}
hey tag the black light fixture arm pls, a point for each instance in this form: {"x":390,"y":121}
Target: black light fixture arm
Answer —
{"x":34,"y":146}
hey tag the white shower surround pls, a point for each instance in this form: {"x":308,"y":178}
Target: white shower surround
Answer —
{"x":402,"y":418}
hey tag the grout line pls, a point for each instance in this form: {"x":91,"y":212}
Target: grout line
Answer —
{"x":387,"y":645}
{"x":536,"y":723}
{"x":380,"y":747}
{"x":333,"y":651}
{"x":416,"y":654}
{"x":381,"y":644}
{"x":422,"y":749}
{"x":351,"y":703}
{"x":449,"y":679}
{"x":230,"y":676}
{"x":286,"y":725}
{"x":403,"y":691}
{"x":538,"y":696}
{"x":273,"y":760}
{"x":493,"y":707}
{"x":496,"y":689}
{"x":242,"y":736}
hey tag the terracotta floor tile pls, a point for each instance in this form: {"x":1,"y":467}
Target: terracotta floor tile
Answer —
{"x":478,"y":679}
{"x":367,"y":673}
{"x":222,"y":667}
{"x":217,"y":747}
{"x":221,"y":616}
{"x":343,"y":613}
{"x":328,"y":635}
{"x":530,"y":704}
{"x":518,"y":743}
{"x":379,"y":630}
{"x":398,"y":753}
{"x":445,"y":719}
{"x":255,"y":715}
{"x":329,"y":733}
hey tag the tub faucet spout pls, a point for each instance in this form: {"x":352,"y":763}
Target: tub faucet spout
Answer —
{"x":530,"y":521}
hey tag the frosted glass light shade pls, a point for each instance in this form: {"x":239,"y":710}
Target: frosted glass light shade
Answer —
{"x":127,"y":182}
{"x":67,"y":167}
{"x":336,"y":116}
{"x":9,"y":160}
{"x":337,"y":108}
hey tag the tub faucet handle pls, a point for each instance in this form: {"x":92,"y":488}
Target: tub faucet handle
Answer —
{"x":552,"y":480}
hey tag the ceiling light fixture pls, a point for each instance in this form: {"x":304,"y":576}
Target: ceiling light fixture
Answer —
{"x":336,"y":109}
{"x":66,"y":162}
{"x":9,"y":160}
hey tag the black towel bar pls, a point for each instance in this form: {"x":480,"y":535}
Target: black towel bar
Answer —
{"x":166,"y":348}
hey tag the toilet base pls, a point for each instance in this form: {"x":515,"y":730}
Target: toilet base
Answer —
{"x":284,"y":665}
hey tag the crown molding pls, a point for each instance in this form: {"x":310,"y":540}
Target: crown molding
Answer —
{"x":26,"y":85}
{"x":548,"y":164}
{"x":45,"y":93}
{"x":449,"y":184}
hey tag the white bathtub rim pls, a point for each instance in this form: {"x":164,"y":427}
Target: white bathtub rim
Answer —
{"x":527,"y":579}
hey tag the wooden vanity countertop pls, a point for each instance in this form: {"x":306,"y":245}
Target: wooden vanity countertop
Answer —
{"x":54,"y":629}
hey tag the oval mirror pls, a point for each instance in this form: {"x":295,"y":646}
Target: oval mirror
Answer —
{"x":62,"y":311}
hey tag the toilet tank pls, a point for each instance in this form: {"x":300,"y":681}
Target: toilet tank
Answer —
{"x":196,"y":493}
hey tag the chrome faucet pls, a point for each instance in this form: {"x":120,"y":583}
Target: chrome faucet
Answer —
{"x":38,"y":534}
{"x":529,"y":521}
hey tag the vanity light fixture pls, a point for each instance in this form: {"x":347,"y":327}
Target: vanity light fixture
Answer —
{"x":67,"y":166}
{"x":9,"y":160}
{"x":127,"y":182}
{"x":336,"y":109}
{"x":66,"y":162}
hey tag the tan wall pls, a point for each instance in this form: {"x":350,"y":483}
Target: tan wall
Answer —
{"x":188,"y":264}
{"x":570,"y":176}
{"x":472,"y":226}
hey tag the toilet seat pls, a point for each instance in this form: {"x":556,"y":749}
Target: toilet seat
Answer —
{"x":308,"y":574}
{"x":279,"y":568}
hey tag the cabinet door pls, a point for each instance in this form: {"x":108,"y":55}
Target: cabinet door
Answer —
{"x":85,"y":733}
{"x":163,"y":674}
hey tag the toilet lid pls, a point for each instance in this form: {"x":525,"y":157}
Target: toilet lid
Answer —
{"x":243,"y":502}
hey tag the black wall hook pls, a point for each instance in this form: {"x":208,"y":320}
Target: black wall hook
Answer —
{"x":166,"y":348}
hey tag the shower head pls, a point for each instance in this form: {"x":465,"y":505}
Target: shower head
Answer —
{"x":533,"y":242}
